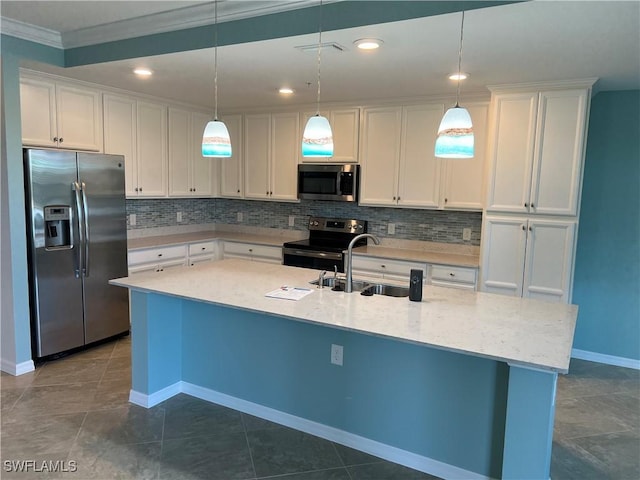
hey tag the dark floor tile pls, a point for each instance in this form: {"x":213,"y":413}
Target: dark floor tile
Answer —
{"x":103,"y":351}
{"x":386,"y":471}
{"x":207,"y":458}
{"x":122,"y":348}
{"x":576,"y":417}
{"x":111,"y":394}
{"x":118,"y":368}
{"x":9,"y":397}
{"x":56,"y":399}
{"x":619,"y":452}
{"x":598,"y":380}
{"x":351,"y":456}
{"x":570,"y":462}
{"x":332,"y":474}
{"x":19,"y":381}
{"x":107,"y":460}
{"x":71,"y":370}
{"x":284,"y":450}
{"x":22,"y":437}
{"x":188,"y":416}
{"x":121,"y":426}
{"x":256,"y":423}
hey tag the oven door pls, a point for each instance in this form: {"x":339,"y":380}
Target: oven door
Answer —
{"x":318,"y":260}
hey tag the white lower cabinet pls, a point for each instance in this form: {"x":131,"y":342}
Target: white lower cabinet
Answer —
{"x":451,"y":276}
{"x":528,"y":257}
{"x":157,"y":259}
{"x":202,"y":252}
{"x":384,"y":268}
{"x":254,"y":252}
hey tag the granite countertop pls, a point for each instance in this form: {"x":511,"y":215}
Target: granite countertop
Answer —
{"x":176,"y":239}
{"x":519,"y":331}
{"x":426,"y":256}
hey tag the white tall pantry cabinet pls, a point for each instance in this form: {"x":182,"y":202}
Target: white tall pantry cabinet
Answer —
{"x":536,"y":155}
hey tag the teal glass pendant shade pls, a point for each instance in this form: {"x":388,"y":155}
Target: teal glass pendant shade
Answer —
{"x":455,"y":135}
{"x":317,"y":139}
{"x":216,"y":141}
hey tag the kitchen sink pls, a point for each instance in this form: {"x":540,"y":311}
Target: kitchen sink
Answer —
{"x":365,"y":288}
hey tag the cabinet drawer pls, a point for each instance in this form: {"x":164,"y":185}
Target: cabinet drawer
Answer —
{"x":453,"y":274}
{"x":252,"y":250}
{"x":137,"y":257}
{"x":202,"y":248}
{"x":386,"y":267}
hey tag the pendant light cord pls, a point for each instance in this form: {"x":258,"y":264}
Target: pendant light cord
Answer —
{"x":319,"y":55}
{"x":215,"y":59}
{"x":460,"y":60}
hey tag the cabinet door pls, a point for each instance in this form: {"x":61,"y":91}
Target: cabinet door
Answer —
{"x":463,"y":180}
{"x":152,"y":149}
{"x":231,"y":168}
{"x":512,"y":145}
{"x":549,"y":260}
{"x":380,"y":155}
{"x":257,"y":140}
{"x":79,"y":118}
{"x":204,"y":171}
{"x":120,"y":135}
{"x":559,"y":152}
{"x":419,"y":176}
{"x":504,"y":241}
{"x":179,"y":148}
{"x":38,"y":112}
{"x":345,"y":126}
{"x":285,"y":145}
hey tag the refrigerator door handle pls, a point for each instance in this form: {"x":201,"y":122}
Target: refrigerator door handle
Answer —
{"x":86,"y":229}
{"x":75,"y":186}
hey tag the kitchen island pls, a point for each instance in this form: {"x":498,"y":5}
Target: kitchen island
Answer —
{"x":460,"y":385}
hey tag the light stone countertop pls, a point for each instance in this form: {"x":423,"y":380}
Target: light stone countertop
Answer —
{"x":425,"y":256}
{"x":176,"y":239}
{"x":519,"y":331}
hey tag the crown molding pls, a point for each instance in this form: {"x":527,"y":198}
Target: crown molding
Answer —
{"x":180,"y":19}
{"x":33,"y":33}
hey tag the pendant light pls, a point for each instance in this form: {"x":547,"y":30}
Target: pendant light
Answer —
{"x":455,"y":135}
{"x":317,"y":139}
{"x":216,"y":141}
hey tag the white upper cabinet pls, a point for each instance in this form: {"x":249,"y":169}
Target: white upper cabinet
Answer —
{"x":528,"y":257}
{"x":60,"y":115}
{"x":399,"y":167}
{"x":151,"y":125}
{"x":345,"y":127}
{"x":537,"y":151}
{"x":190,"y":174}
{"x":120,"y":135}
{"x":272,"y":144}
{"x":231,"y":170}
{"x":463,"y":183}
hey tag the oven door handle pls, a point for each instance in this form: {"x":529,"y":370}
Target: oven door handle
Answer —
{"x":312,"y":254}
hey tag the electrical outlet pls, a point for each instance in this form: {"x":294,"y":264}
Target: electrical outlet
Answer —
{"x":336,"y":354}
{"x":466,"y":234}
{"x":132,"y":219}
{"x":391,"y":229}
{"x":179,"y":217}
{"x":239,"y":218}
{"x":292,"y":221}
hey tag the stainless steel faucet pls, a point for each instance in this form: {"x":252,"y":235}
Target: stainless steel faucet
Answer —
{"x":321,"y":279}
{"x":348,"y":288}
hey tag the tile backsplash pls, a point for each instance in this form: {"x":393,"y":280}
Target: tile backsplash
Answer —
{"x":410,"y":224}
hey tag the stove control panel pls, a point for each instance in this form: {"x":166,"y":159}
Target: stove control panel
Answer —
{"x":337,"y":225}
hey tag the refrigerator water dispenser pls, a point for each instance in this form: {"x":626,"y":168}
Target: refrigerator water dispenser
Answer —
{"x":57,"y":223}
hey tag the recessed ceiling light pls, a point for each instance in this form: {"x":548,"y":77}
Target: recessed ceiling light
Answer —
{"x":368,"y":43}
{"x":286,"y":91}
{"x":458,"y":76}
{"x":143,"y":72}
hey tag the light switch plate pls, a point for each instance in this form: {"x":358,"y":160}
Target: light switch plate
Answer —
{"x":239,"y":217}
{"x":132,"y":219}
{"x":179,"y":217}
{"x":391,"y":229}
{"x":466,"y":234}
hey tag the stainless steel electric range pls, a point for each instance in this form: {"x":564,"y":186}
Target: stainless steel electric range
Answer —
{"x":328,"y":239}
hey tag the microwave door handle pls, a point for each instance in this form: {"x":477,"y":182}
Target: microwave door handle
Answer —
{"x":75,"y":186}
{"x":86,"y":229}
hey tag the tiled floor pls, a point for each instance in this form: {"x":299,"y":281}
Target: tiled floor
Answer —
{"x":76,"y":409}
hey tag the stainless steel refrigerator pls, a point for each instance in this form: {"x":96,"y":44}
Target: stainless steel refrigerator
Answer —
{"x":77,"y":242}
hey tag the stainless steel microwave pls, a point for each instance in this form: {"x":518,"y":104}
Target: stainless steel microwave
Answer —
{"x":328,"y":182}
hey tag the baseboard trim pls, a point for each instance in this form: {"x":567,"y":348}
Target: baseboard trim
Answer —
{"x":607,"y":359}
{"x":16,"y":369}
{"x":148,"y":401}
{"x":387,"y":452}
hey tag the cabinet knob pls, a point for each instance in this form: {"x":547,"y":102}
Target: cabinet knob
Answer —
{"x":238,"y":190}
{"x":135,"y":189}
{"x":398,"y":198}
{"x":159,"y":254}
{"x":204,"y":248}
{"x":140,"y":189}
{"x":446,"y":200}
{"x":526,"y":205}
{"x":530,"y":228}
{"x":533,"y":206}
{"x":383,"y":266}
{"x":250,"y":250}
{"x":524,"y":228}
{"x":451,"y":274}
{"x":61,"y":140}
{"x":55,"y":139}
{"x":394,"y":198}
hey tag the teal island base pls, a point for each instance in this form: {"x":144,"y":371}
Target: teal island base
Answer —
{"x":445,"y":413}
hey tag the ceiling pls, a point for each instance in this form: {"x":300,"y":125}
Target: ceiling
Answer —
{"x":517,"y":43}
